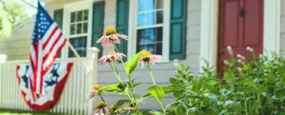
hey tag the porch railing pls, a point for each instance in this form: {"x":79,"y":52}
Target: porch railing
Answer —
{"x":72,"y":100}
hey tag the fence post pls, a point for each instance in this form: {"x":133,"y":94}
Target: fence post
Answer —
{"x":92,"y":74}
{"x":3,"y":59}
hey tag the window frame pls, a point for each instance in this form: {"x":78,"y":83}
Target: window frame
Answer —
{"x":68,"y":9}
{"x":133,"y":16}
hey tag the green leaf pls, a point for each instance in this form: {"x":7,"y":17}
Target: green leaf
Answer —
{"x":172,"y":104}
{"x":223,"y":112}
{"x":209,"y":111}
{"x":121,"y":102}
{"x":181,"y":110}
{"x":157,"y":92}
{"x":173,"y":81}
{"x":280,"y":93}
{"x":151,"y":113}
{"x":137,"y":84}
{"x":132,"y":64}
{"x":144,"y":96}
{"x":168,"y":89}
{"x":122,"y":110}
{"x":113,"y":88}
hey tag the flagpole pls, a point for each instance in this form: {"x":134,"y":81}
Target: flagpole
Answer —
{"x":76,"y":53}
{"x":73,"y":50}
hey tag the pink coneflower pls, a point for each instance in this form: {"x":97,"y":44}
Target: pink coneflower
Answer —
{"x":112,"y":56}
{"x":101,"y":109}
{"x":94,"y":91}
{"x":111,"y":37}
{"x":148,"y":58}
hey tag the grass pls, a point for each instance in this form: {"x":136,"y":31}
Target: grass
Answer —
{"x":21,"y":112}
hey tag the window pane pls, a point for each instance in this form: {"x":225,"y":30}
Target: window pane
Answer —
{"x":73,"y":16}
{"x":159,"y":4}
{"x":149,"y":18}
{"x":150,"y":39}
{"x":85,"y":27}
{"x":79,"y":16}
{"x":85,"y":15}
{"x":146,"y":5}
{"x":79,"y":28}
{"x":145,"y":19}
{"x":159,"y":17}
{"x":72,"y":29}
{"x":79,"y":44}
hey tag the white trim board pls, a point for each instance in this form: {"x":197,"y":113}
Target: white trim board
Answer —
{"x":209,"y":29}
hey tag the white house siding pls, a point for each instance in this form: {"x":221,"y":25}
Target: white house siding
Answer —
{"x":17,"y":46}
{"x":282,"y":39}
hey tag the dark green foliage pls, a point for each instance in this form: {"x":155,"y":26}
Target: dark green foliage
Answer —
{"x":248,"y":87}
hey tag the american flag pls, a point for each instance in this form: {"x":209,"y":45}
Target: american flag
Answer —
{"x":47,"y":42}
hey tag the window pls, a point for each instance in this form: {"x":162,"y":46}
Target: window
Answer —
{"x":78,"y":32}
{"x":77,"y":26}
{"x":150,"y":25}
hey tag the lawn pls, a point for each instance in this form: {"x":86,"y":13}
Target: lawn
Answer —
{"x":19,"y":112}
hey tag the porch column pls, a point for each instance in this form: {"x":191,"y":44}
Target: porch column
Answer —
{"x":209,"y":32}
{"x":92,"y":72}
{"x":271,"y":33}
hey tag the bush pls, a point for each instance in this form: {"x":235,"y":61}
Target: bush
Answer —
{"x":247,"y":87}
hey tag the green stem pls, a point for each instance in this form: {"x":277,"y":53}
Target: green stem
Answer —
{"x":246,"y":112}
{"x":116,"y":73}
{"x":134,"y":94}
{"x":115,"y":70}
{"x":161,"y":105}
{"x":116,"y":49}
{"x":104,"y":102}
{"x":130,"y":80}
{"x":102,"y":98}
{"x":131,"y":83}
{"x":148,"y":67}
{"x":258,"y":106}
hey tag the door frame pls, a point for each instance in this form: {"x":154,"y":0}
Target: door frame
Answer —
{"x":210,"y":27}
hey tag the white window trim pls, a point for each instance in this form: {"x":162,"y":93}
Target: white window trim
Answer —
{"x":209,"y":29}
{"x":68,"y":8}
{"x":132,"y":42}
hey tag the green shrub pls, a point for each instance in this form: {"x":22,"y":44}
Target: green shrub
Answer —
{"x":247,"y":87}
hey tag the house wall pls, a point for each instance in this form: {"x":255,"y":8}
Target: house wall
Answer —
{"x":162,"y":71}
{"x":17,"y":46}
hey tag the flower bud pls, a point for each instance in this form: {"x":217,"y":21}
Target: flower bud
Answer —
{"x":230,"y":50}
{"x":250,"y":49}
{"x":97,"y":87}
{"x":101,"y":105}
{"x":240,"y":61}
{"x":263,"y":94}
{"x":241,"y":56}
{"x":239,"y":69}
{"x":226,"y":62}
{"x":110,"y":31}
{"x":260,"y":56}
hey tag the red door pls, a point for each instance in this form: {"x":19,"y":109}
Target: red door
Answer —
{"x":240,"y":26}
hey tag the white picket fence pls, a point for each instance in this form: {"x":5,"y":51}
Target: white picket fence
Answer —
{"x":72,"y":100}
